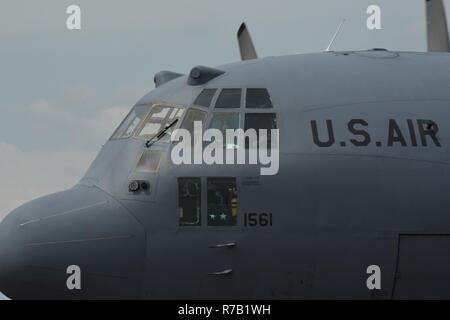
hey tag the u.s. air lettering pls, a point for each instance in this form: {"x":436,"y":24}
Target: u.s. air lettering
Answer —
{"x":417,"y":132}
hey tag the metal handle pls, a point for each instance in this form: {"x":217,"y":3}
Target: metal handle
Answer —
{"x":221,"y":273}
{"x":230,"y":244}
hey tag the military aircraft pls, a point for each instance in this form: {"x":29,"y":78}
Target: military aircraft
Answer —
{"x":358,"y":208}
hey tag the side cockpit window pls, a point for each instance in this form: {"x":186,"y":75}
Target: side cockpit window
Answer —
{"x":260,"y":116}
{"x":258,"y":98}
{"x":229,"y":98}
{"x":255,"y":112}
{"x":192,"y":116}
{"x":258,"y":121}
{"x":189,"y":201}
{"x":131,"y":122}
{"x":223,"y":121}
{"x":205,"y":97}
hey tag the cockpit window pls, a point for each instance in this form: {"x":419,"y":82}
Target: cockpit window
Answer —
{"x":224,"y":121}
{"x":149,"y":161}
{"x":189,"y":201}
{"x":229,"y":98}
{"x":131,"y":122}
{"x":157,"y":119}
{"x":205,"y":97}
{"x":192,"y":115}
{"x":259,"y":121}
{"x":258,"y":98}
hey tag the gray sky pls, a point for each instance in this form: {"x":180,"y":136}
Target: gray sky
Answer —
{"x":63,"y":92}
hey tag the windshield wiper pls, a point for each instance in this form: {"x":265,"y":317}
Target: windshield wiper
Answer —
{"x":158,"y":136}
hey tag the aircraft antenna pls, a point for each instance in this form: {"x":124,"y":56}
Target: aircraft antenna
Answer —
{"x":335,"y":35}
{"x":246,"y":46}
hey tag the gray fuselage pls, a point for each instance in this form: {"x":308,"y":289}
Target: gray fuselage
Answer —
{"x":363,"y":179}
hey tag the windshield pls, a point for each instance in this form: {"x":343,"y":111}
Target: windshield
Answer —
{"x":131,"y":122}
{"x":158,"y":118}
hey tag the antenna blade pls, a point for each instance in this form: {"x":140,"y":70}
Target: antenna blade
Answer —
{"x":335,"y":35}
{"x":437,"y":30}
{"x":246,"y":46}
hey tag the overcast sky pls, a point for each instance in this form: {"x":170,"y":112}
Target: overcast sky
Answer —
{"x":63,"y":92}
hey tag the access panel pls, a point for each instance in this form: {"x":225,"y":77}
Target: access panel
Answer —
{"x":423,"y":268}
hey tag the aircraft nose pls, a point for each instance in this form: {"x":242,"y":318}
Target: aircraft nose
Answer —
{"x":9,"y":256}
{"x":80,"y":236}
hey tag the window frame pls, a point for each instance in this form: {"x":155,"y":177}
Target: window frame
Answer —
{"x":255,"y":88}
{"x":258,"y":112}
{"x":242,"y":110}
{"x":238,"y":110}
{"x":219,"y":92}
{"x":213,"y":99}
{"x":149,"y":106}
{"x":160,"y":160}
{"x":142,"y":125}
{"x":246,"y":110}
{"x":195,"y":108}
